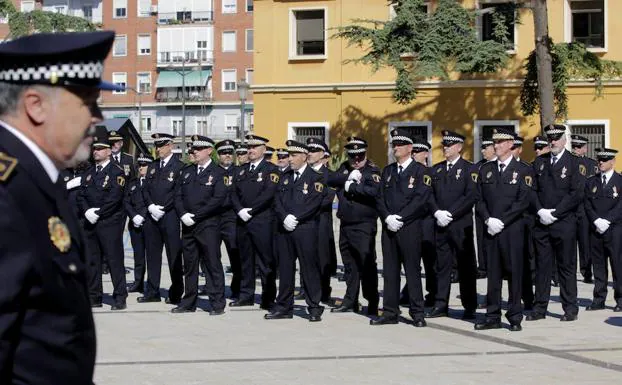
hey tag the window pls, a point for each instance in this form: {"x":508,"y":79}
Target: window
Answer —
{"x":144,"y":44}
{"x":120,"y":79}
{"x":232,"y":122}
{"x":143,"y":82}
{"x":308,"y":33}
{"x":487,"y":25}
{"x":425,"y":8}
{"x":484,"y":128}
{"x":87,"y":12}
{"x":176,"y":126}
{"x":249,"y":40}
{"x":249,"y":5}
{"x":229,"y":6}
{"x":417,"y":130}
{"x":249,"y":75}
{"x":60,"y":9}
{"x":200,"y":127}
{"x":146,"y":124}
{"x":596,"y":132}
{"x":588,"y":22}
{"x":120,"y":9}
{"x":300,"y":131}
{"x":202,"y":50}
{"x":27,"y":6}
{"x":228,"y":41}
{"x":184,"y":15}
{"x":143,"y":8}
{"x":120,"y":45}
{"x":229,"y":80}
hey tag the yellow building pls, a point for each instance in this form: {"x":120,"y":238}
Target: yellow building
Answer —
{"x":302,"y":86}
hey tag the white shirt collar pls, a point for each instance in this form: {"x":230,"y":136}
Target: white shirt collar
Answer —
{"x":301,"y":170}
{"x":104,"y":164}
{"x":206,"y":165}
{"x":506,"y":162}
{"x":454,"y":161}
{"x":406,"y":163}
{"x":256,"y":164}
{"x":608,"y":175}
{"x":166,"y":159}
{"x":558,"y":156}
{"x":317,"y":166}
{"x":41,"y":156}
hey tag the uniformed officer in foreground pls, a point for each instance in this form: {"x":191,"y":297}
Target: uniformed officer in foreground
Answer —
{"x":402,"y":205}
{"x":282,"y":159}
{"x":101,"y":204}
{"x":297,"y":206}
{"x":488,"y":154}
{"x":241,"y":154}
{"x":504,"y":189}
{"x":125,"y":161}
{"x":47,"y":335}
{"x":603,"y":207}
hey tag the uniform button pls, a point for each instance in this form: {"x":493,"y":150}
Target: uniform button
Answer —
{"x":73,"y":268}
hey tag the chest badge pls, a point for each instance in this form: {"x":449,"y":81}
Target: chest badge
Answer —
{"x":187,"y":175}
{"x":489,"y":175}
{"x":152,"y":171}
{"x":241,"y":172}
{"x":345,"y":172}
{"x":126,"y":168}
{"x":88,"y":178}
{"x":259,"y":178}
{"x":59,"y":234}
{"x":563,"y":174}
{"x":541,"y":166}
{"x":106,"y":179}
{"x":170,"y":176}
{"x":133,"y":188}
{"x":411,"y":182}
{"x":514,"y":177}
{"x":66,"y":179}
{"x":458,"y":172}
{"x":209,"y":181}
{"x":286,"y":182}
{"x":594,"y":189}
{"x":438,"y":170}
{"x":615,"y":192}
{"x":388,"y":178}
{"x":305,"y":188}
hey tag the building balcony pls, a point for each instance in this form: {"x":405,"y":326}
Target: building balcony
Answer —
{"x":175,"y":95}
{"x":185,"y":17}
{"x":185,"y":58}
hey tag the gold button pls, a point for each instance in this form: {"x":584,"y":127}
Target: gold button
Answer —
{"x":73,"y":268}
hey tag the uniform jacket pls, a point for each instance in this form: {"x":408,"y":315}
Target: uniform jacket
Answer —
{"x":161,"y":184}
{"x":104,"y":189}
{"x":201,"y":194}
{"x":47,"y":334}
{"x":66,"y":176}
{"x":134,"y":200}
{"x":591,"y":167}
{"x":228,"y":212}
{"x":604,"y":201}
{"x":126,"y":164}
{"x":455,"y":191}
{"x":326,"y":209}
{"x":255,"y":190}
{"x":302,"y":198}
{"x":358,"y":204}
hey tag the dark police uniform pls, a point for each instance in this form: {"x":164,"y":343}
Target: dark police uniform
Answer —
{"x":68,"y":176}
{"x":202,"y":192}
{"x":47,"y":335}
{"x":529,"y":254}
{"x":160,"y":189}
{"x":480,"y":228}
{"x":255,"y":190}
{"x":583,"y":225}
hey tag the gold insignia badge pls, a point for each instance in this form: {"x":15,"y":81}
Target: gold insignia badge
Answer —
{"x":66,"y":179}
{"x":187,"y":175}
{"x":427,"y":180}
{"x":7,"y":165}
{"x":59,"y":234}
{"x":615,"y":192}
{"x":319,"y":187}
{"x":563,"y":174}
{"x":474,"y":176}
{"x":259,"y":177}
{"x":528,"y":180}
{"x":411,"y":182}
{"x":228,"y":180}
{"x":170,"y":176}
{"x":106,"y":179}
{"x":514,"y":176}
{"x":305,"y":188}
{"x":88,"y":177}
{"x":121,"y":181}
{"x":376,"y":178}
{"x":541,"y":166}
{"x":126,"y":169}
{"x":345,"y":172}
{"x":458,"y":172}
{"x":582,"y":170}
{"x":274,"y":178}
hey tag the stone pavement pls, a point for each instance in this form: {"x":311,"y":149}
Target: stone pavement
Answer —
{"x":146,"y":344}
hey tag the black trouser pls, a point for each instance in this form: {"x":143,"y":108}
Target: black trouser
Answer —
{"x":480,"y":231}
{"x":556,"y":242}
{"x":583,"y":238}
{"x":605,"y":247}
{"x":105,"y":238}
{"x":529,"y":261}
{"x":301,"y":244}
{"x":164,"y":234}
{"x":402,"y":247}
{"x":255,"y":244}
{"x":332,"y":267}
{"x":324,"y":230}
{"x":456,"y":243}
{"x":357,"y":241}
{"x":137,"y":236}
{"x":228,"y":234}
{"x":504,"y":252}
{"x":202,"y":241}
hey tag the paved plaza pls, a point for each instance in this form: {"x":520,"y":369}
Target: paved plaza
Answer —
{"x":146,"y":344}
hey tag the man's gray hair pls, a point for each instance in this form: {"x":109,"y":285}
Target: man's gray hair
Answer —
{"x":9,"y":96}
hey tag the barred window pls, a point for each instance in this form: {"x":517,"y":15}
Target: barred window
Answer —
{"x":486,"y":130}
{"x":595,"y":134}
{"x":303,"y":133}
{"x":417,"y":133}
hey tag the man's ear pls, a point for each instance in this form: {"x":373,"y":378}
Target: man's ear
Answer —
{"x":36,"y":105}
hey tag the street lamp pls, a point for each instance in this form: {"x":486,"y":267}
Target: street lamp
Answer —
{"x":243,"y":93}
{"x":140,"y":112}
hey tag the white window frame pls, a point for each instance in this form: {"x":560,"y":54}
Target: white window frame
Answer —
{"x":234,"y":10}
{"x":4,"y":19}
{"x":235,"y":41}
{"x":144,"y":128}
{"x":138,"y":83}
{"x":114,"y":11}
{"x":87,"y":5}
{"x":589,"y":122}
{"x":246,"y":6}
{"x":222,"y":79}
{"x":125,"y":89}
{"x":138,"y":14}
{"x":246,"y":71}
{"x":428,"y":4}
{"x":198,"y":119}
{"x":21,"y":6}
{"x":246,"y":40}
{"x":568,"y":26}
{"x":291,"y":129}
{"x":138,"y":44}
{"x":293,"y":56}
{"x":478,"y":22}
{"x":408,"y":123}
{"x":173,"y":120}
{"x":237,"y":119}
{"x":477,"y":129}
{"x":114,"y":43}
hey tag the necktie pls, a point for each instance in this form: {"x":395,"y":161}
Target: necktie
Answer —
{"x":117,"y":158}
{"x":604,"y":180}
{"x":553,"y":160}
{"x":296,"y":176}
{"x":449,"y":166}
{"x":399,"y":170}
{"x":162,"y":164}
{"x":501,"y":168}
{"x":141,"y":181}
{"x":98,"y":168}
{"x":200,"y":170}
{"x":252,"y":168}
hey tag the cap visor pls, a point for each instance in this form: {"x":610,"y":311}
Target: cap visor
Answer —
{"x":107,"y":86}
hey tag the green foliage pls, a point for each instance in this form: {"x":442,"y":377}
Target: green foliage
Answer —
{"x":569,"y":61}
{"x":337,"y":157}
{"x":419,"y":46}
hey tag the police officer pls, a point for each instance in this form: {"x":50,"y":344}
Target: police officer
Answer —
{"x":331,"y":243}
{"x":402,"y":205}
{"x":540,"y":145}
{"x":451,"y":203}
{"x":282,"y":159}
{"x":228,"y":218}
{"x":603,"y":206}
{"x":268,"y":154}
{"x":253,"y":192}
{"x":560,"y":183}
{"x":136,"y":209}
{"x":488,"y":155}
{"x":162,"y":226}
{"x":579,"y":148}
{"x":504,"y":188}
{"x":125,"y":161}
{"x":297,"y":206}
{"x":47,"y":333}
{"x":358,"y":184}
{"x":199,"y":202}
{"x":241,"y":154}
{"x":317,"y":149}
{"x":72,"y":177}
{"x":101,"y":203}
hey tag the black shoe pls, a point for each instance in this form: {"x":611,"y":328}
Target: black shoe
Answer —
{"x":569,"y":317}
{"x":419,"y":323}
{"x":595,"y":306}
{"x":119,"y":306}
{"x":515,"y":328}
{"x":148,"y":299}
{"x":182,"y":309}
{"x":135,"y":288}
{"x":488,"y":325}
{"x":217,"y":312}
{"x":617,"y":309}
{"x":436,"y":312}
{"x":588,"y":279}
{"x":239,"y":303}
{"x":278,"y":315}
{"x":315,"y":318}
{"x":468,"y":315}
{"x":527,"y":307}
{"x":535,"y":317}
{"x":384,"y":321}
{"x":96,"y":304}
{"x":172,"y":301}
{"x":343,"y":309}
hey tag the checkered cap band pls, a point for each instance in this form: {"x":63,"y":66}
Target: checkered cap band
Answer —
{"x":316,"y":145}
{"x":357,"y":151}
{"x":356,"y":141}
{"x":202,"y":143}
{"x":143,"y":160}
{"x":241,"y":150}
{"x":541,"y":142}
{"x":555,"y":131}
{"x":162,"y":140}
{"x":578,"y":141}
{"x":606,"y":154}
{"x":502,"y":136}
{"x":487,"y":142}
{"x":255,"y":142}
{"x":225,"y":147}
{"x":282,"y":153}
{"x":297,"y":149}
{"x":326,"y":153}
{"x":89,"y":70}
{"x":400,"y":138}
{"x":450,"y":138}
{"x":421,"y":146}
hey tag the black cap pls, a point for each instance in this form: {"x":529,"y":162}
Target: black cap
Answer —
{"x":355,"y":145}
{"x":226,"y":146}
{"x":282,"y":153}
{"x":100,"y":139}
{"x":57,"y":59}
{"x":605,"y":154}
{"x":161,"y":139}
{"x":143,"y":159}
{"x":400,"y":137}
{"x":554,"y":131}
{"x":269,"y":151}
{"x":503,"y":133}
{"x":200,"y":141}
{"x":539,"y":142}
{"x":241,"y":149}
{"x":421,"y":146}
{"x":487,"y":142}
{"x":450,"y":138}
{"x":518,"y":141}
{"x":316,"y":145}
{"x":578,"y":141}
{"x":294,"y":146}
{"x":255,"y":140}
{"x":114,"y":136}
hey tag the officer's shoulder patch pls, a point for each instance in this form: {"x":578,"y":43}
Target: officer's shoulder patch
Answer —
{"x":474,"y":176}
{"x":427,"y":180}
{"x":376,"y":178}
{"x":121,"y":181}
{"x":319,"y":187}
{"x":274,"y":177}
{"x":7,"y":165}
{"x":528,"y":180}
{"x":582,"y":170}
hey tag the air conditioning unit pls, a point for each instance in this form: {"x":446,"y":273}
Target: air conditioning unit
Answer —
{"x":154,"y":9}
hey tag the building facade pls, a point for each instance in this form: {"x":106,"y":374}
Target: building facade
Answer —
{"x":303,"y":87}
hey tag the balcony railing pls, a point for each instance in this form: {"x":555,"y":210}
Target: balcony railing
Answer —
{"x":201,"y":57}
{"x":175,"y":96}
{"x":185,"y":17}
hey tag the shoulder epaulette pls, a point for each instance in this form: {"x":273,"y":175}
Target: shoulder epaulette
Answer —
{"x":118,"y":166}
{"x":7,"y":165}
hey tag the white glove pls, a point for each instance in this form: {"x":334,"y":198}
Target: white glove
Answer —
{"x":602,"y":225}
{"x":244,"y":215}
{"x":394,"y":223}
{"x":290,"y":222}
{"x":138,"y":220}
{"x":91,"y":216}
{"x":495,"y":226}
{"x":156,"y":211}
{"x":75,"y":182}
{"x":187,"y":219}
{"x":546,"y":216}
{"x":443,"y":217}
{"x":348,"y":184}
{"x":355,"y":175}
